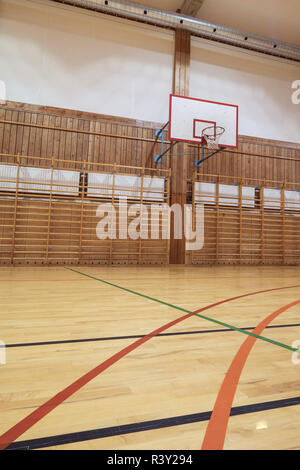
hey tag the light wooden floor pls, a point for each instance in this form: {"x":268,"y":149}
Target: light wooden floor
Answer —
{"x":168,"y":376}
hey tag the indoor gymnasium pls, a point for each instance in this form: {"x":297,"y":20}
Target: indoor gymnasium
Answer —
{"x":149,"y":226}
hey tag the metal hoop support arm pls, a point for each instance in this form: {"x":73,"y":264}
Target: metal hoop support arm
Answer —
{"x":198,"y":163}
{"x":158,"y":158}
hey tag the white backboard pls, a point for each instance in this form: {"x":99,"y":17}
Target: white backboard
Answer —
{"x":189,"y":116}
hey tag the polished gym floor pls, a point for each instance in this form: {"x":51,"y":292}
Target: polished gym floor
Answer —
{"x":173,"y":357}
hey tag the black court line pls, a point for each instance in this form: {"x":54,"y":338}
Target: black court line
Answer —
{"x":145,"y":426}
{"x":112,"y":338}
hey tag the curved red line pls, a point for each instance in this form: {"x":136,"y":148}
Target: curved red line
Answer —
{"x":216,"y":429}
{"x":22,"y":426}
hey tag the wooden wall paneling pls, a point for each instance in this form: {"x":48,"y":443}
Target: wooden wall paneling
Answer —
{"x":99,"y":144}
{"x":143,"y":154}
{"x":2,"y":127}
{"x":112,"y":155}
{"x":121,"y":148}
{"x":76,"y":148}
{"x":68,"y":140}
{"x":39,"y":137}
{"x":7,"y":132}
{"x":50,"y":138}
{"x":147,"y":150}
{"x":226,"y":164}
{"x":148,"y":153}
{"x":26,"y":134}
{"x":31,"y":137}
{"x":219,"y":161}
{"x":135,"y":149}
{"x":91,"y":142}
{"x":256,"y":163}
{"x":13,"y":134}
{"x":292,"y":169}
{"x":125,"y":147}
{"x":86,"y":139}
{"x":57,"y":135}
{"x":44,"y":136}
{"x":270,"y":151}
{"x":128,"y":147}
{"x":123,"y":156}
{"x":278,"y":168}
{"x":143,"y":150}
{"x":106,"y":149}
{"x":242,"y":160}
{"x":285,"y":166}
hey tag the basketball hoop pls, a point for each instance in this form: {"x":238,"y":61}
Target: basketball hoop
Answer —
{"x":212,"y":135}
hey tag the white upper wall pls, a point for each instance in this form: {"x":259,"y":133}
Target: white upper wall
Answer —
{"x":260,"y":85}
{"x":56,"y":55}
{"x":61,"y":56}
{"x":275,"y":19}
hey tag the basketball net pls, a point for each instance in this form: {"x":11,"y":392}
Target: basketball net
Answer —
{"x":211,"y":136}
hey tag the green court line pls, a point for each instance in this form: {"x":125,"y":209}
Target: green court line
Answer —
{"x":263,"y":338}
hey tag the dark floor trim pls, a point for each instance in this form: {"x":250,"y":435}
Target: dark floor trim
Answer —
{"x":52,"y":441}
{"x":113,"y":338}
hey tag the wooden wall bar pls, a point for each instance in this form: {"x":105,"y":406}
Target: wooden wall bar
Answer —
{"x":242,"y":230}
{"x":39,"y":134}
{"x":54,"y":226}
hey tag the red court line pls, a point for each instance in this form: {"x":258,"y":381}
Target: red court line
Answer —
{"x":216,"y":429}
{"x":26,"y":423}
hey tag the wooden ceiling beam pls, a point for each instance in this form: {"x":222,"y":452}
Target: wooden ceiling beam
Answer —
{"x":191,"y":7}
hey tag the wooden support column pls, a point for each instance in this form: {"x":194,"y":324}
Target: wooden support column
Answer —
{"x":179,"y":164}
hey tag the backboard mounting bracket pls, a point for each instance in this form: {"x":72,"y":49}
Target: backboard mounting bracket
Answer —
{"x":198,"y":163}
{"x":158,"y":158}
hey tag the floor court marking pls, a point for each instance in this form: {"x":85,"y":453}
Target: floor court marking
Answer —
{"x":81,"y":436}
{"x":216,"y":430}
{"x":30,"y":420}
{"x":118,"y":338}
{"x":196,"y":313}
